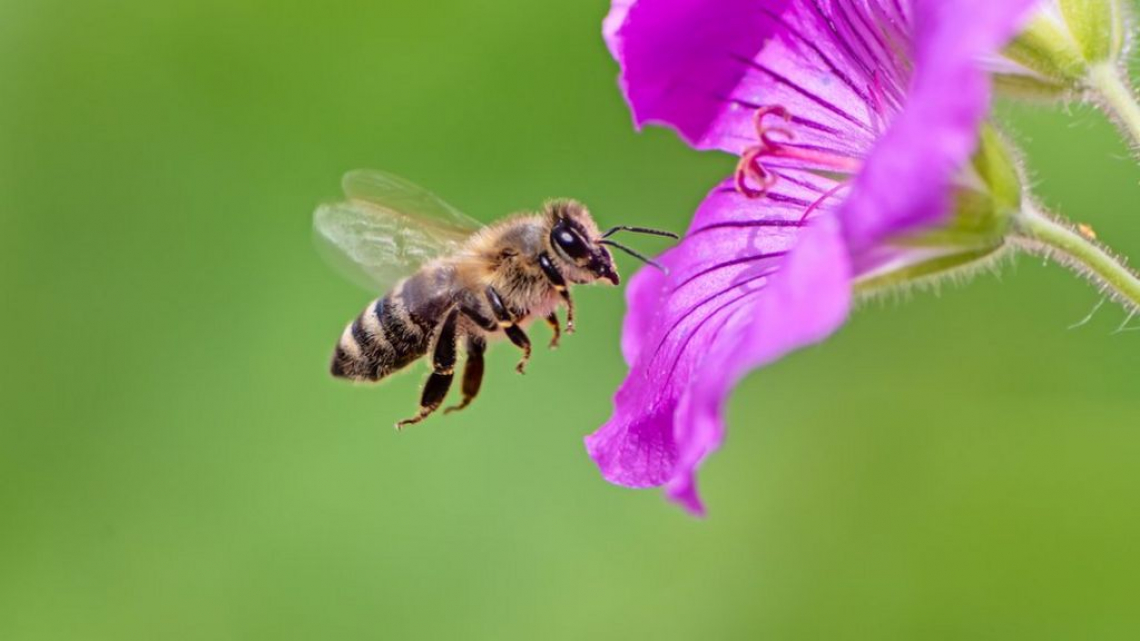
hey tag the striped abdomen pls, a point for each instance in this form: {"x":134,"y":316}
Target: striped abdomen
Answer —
{"x":383,"y":339}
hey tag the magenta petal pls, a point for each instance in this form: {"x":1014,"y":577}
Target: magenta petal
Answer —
{"x":890,"y":91}
{"x":677,"y":56}
{"x":726,"y":279}
{"x":905,"y":182}
{"x":642,"y":295}
{"x":703,"y":67}
{"x":803,"y":305}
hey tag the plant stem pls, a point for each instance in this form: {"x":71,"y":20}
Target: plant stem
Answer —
{"x":1042,"y":234}
{"x":1110,"y":84}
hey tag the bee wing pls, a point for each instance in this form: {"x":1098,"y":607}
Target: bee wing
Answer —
{"x":387,"y":228}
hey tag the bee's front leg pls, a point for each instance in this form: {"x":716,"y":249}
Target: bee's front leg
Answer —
{"x":510,"y":327}
{"x":552,"y":320}
{"x":559,"y":283}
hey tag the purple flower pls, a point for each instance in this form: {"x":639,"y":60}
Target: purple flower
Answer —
{"x":854,"y":121}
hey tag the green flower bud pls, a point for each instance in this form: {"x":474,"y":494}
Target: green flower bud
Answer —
{"x":1098,"y":27}
{"x":988,"y":194}
{"x":1063,"y":42}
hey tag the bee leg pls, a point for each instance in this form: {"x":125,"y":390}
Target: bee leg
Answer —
{"x":519,"y":338}
{"x":569,"y":312}
{"x":510,"y":328}
{"x":434,"y":392}
{"x":472,"y":372}
{"x":488,"y":325}
{"x":552,"y":320}
{"x":559,"y":283}
{"x":443,"y":370}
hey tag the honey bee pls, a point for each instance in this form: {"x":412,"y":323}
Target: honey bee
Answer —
{"x":451,"y":281}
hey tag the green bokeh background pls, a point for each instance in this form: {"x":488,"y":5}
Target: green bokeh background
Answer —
{"x":175,"y":463}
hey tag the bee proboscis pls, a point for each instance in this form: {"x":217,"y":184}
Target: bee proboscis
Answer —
{"x":451,"y":282}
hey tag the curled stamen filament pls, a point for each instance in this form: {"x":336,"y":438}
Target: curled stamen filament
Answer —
{"x":819,"y":201}
{"x":754,"y":180}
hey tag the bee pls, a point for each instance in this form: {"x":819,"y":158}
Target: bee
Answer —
{"x":451,"y":281}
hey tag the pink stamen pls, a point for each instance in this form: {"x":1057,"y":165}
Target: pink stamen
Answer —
{"x":751,"y":169}
{"x":819,"y":201}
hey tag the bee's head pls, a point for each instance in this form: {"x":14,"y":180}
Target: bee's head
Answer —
{"x":575,"y":239}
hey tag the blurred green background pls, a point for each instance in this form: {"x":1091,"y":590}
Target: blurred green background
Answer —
{"x":177,"y":464}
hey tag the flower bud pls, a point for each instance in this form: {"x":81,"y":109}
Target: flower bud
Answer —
{"x":1059,"y":46}
{"x":984,"y":209}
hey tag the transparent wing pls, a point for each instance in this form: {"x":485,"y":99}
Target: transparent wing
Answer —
{"x":386,"y":228}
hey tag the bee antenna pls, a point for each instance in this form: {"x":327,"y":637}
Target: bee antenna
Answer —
{"x":640,"y":230}
{"x":631,"y":252}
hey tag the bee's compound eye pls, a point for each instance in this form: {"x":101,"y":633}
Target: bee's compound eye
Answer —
{"x":570,"y":242}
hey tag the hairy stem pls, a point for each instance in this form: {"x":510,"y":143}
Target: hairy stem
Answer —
{"x":1111,"y":87}
{"x":1044,"y":235}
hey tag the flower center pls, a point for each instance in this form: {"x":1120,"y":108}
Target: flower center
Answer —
{"x":754,"y":180}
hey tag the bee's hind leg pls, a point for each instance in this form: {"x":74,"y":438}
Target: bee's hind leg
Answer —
{"x":472,"y":372}
{"x":443,"y":370}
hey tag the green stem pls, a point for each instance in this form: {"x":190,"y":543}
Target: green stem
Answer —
{"x":1110,"y":84}
{"x":1047,"y":236}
